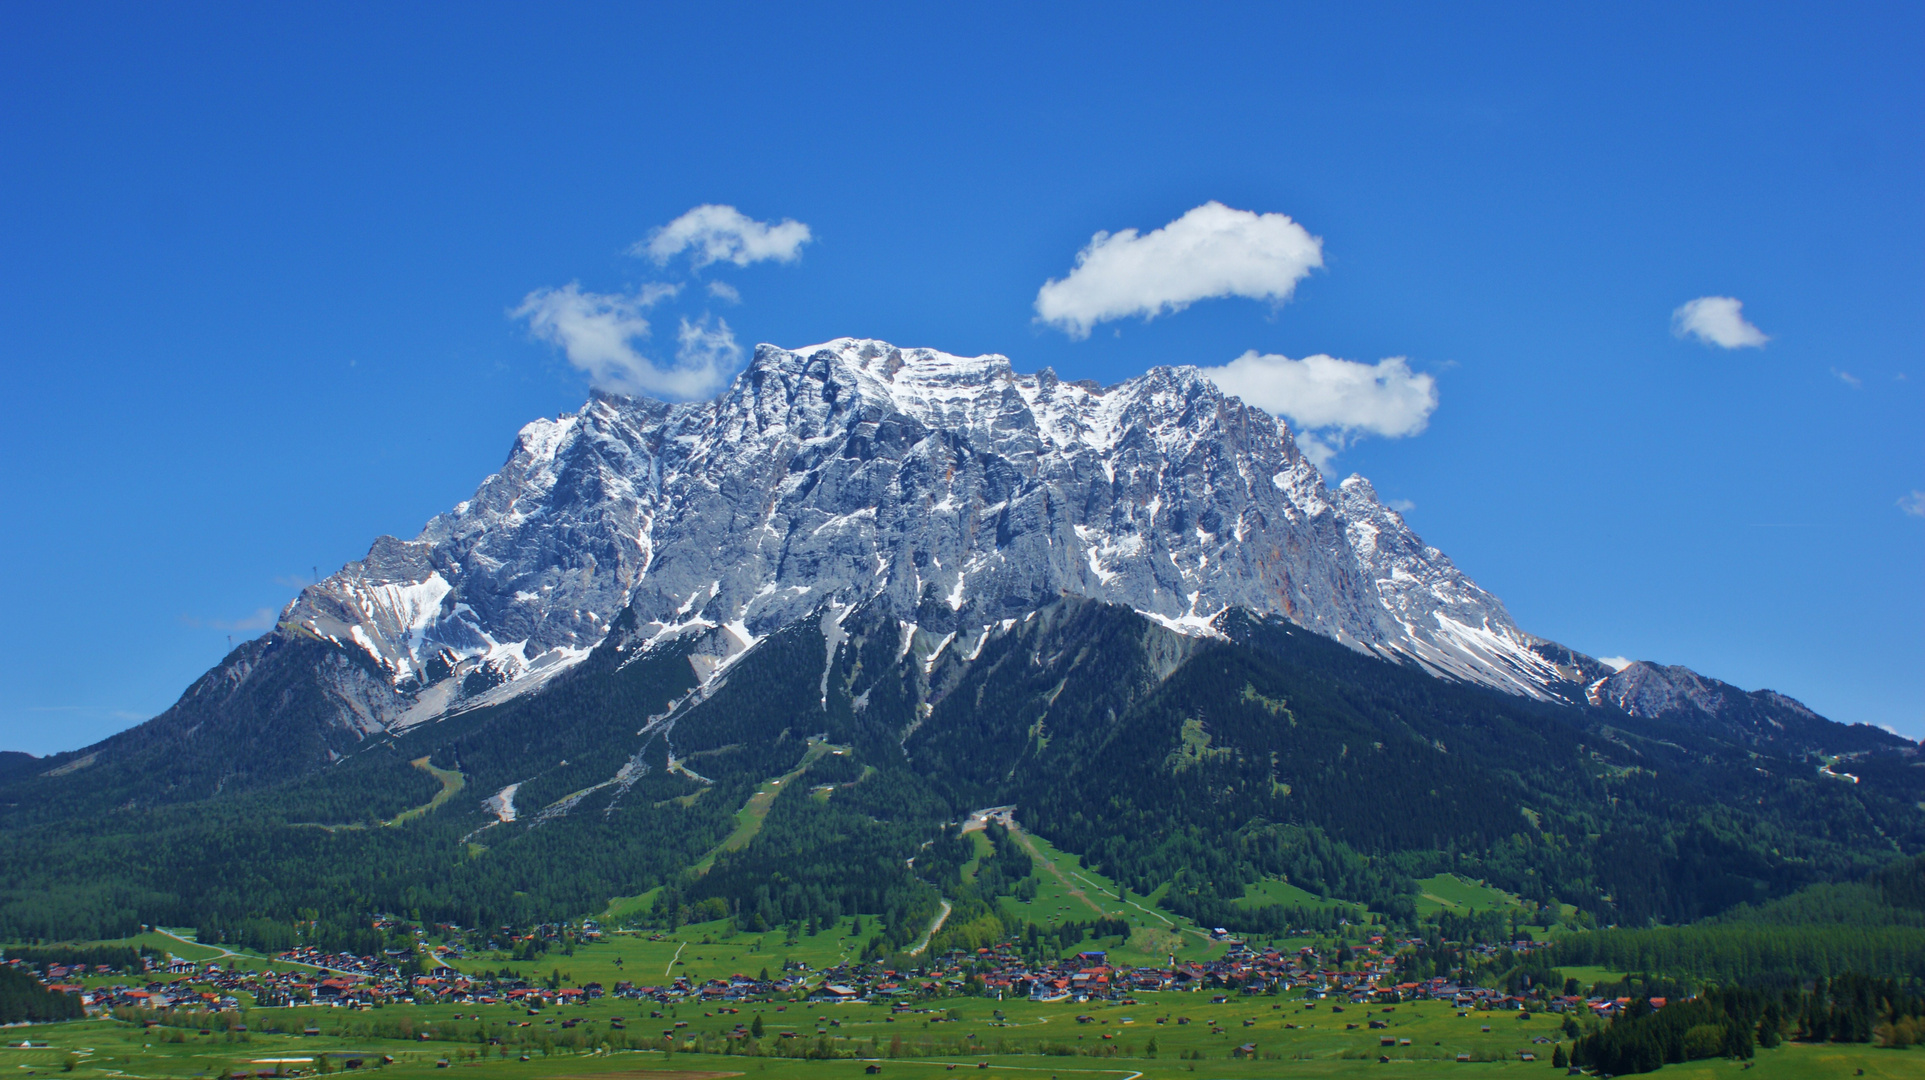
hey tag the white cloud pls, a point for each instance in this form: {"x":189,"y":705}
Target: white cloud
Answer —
{"x":1848,"y":379}
{"x":725,"y":292}
{"x":1321,"y":392}
{"x":1717,"y":320}
{"x":702,"y":346}
{"x":1212,"y":251}
{"x":1320,"y":452}
{"x":597,"y":332}
{"x":1402,"y":506}
{"x":1913,"y":504}
{"x":1332,"y":402}
{"x":1615,"y":663}
{"x":724,"y":234}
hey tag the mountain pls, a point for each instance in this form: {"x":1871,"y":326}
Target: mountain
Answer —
{"x":1135,"y":612}
{"x":1759,"y":716}
{"x":953,"y":489}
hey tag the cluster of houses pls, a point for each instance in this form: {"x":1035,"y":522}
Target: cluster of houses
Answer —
{"x":1370,"y":976}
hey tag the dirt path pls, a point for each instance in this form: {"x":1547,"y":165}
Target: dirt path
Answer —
{"x":1171,"y":923}
{"x":1029,"y":845}
{"x":923,"y":942}
{"x":1050,"y":865}
{"x":1123,"y":1074}
{"x":226,"y":953}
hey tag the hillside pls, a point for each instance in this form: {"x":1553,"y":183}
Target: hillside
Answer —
{"x":1195,"y":765}
{"x":1134,"y":614}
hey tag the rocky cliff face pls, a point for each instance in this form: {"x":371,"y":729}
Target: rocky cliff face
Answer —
{"x":1757,"y":717}
{"x":943,"y":499}
{"x":955,"y":489}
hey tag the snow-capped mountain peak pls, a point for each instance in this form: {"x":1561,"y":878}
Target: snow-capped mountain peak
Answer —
{"x":954,"y":489}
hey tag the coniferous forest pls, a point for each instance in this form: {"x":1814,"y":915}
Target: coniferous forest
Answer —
{"x":1203,"y":765}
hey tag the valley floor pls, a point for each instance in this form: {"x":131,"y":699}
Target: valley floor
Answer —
{"x":1314,"y":1048}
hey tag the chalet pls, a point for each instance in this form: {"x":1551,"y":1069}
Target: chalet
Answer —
{"x":332,"y":988}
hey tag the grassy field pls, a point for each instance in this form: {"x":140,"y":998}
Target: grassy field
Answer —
{"x":451,"y":784}
{"x":1115,"y":1042}
{"x":699,"y":951}
{"x":1458,"y":895}
{"x":1067,"y":891}
{"x":1282,"y":892}
{"x":1448,"y":892}
{"x":1588,"y":977}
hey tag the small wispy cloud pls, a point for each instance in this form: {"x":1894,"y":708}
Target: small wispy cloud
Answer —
{"x":1211,"y":251}
{"x":1615,"y":663}
{"x":1717,"y":320}
{"x":1914,"y":504}
{"x":1402,"y":506}
{"x":262,"y":619}
{"x":723,"y":291}
{"x":703,"y":345}
{"x":716,"y":233}
{"x":598,"y":333}
{"x":1848,"y":379}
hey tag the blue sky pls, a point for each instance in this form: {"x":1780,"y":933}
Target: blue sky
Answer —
{"x":258,"y":267}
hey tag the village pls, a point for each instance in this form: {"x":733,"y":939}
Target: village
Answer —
{"x":639,"y":995}
{"x":309,"y":977}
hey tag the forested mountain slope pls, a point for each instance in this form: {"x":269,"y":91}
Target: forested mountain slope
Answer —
{"x":1263,"y":749}
{"x":921,"y":585}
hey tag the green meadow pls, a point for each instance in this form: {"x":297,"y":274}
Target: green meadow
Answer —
{"x":1069,"y":892}
{"x":1027,"y":1040}
{"x":1260,"y":893}
{"x":1459,"y":896}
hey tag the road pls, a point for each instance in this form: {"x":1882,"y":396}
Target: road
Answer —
{"x":226,"y":952}
{"x":923,"y":942}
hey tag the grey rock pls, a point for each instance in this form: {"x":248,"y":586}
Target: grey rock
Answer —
{"x":954,"y":491}
{"x":1758,"y":717}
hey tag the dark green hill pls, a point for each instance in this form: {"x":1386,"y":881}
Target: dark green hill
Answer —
{"x":1207,"y":762}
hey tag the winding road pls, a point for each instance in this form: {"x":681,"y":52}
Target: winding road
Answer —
{"x":923,"y":942}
